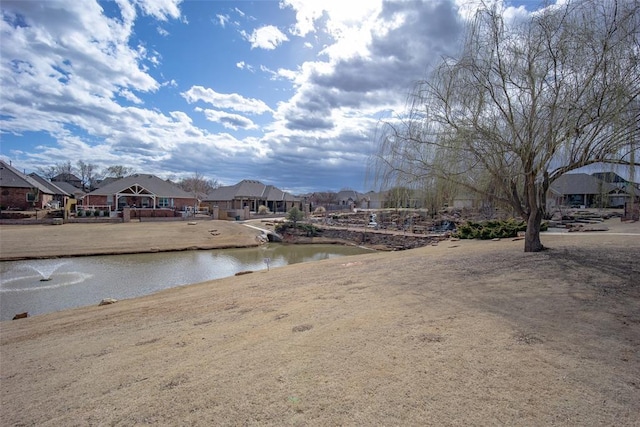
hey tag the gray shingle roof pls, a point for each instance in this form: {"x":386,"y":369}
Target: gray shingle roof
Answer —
{"x":11,"y":177}
{"x":54,"y":187}
{"x":70,"y":188}
{"x":152,"y":183}
{"x":580,"y":183}
{"x":248,"y":189}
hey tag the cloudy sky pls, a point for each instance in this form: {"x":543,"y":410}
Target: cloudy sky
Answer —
{"x":287,"y":92}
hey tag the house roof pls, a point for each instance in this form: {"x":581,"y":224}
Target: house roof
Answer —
{"x":70,"y":188}
{"x":580,"y":183}
{"x":54,"y":188}
{"x":66,"y":177}
{"x":248,"y":189}
{"x":108,"y":180}
{"x":11,"y":177}
{"x":152,"y":183}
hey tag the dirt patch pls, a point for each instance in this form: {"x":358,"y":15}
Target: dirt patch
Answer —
{"x":476,"y":334}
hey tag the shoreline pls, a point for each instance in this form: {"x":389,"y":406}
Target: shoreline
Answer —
{"x":25,"y":242}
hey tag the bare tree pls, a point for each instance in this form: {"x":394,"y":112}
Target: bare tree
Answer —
{"x":65,"y":170}
{"x":198,"y":184}
{"x":117,"y":171}
{"x":47,"y":171}
{"x":324,"y":198}
{"x":87,"y":173}
{"x":525,"y":102}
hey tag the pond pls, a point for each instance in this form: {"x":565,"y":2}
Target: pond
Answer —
{"x":44,"y":286}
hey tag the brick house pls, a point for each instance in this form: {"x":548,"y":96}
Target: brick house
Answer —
{"x":19,"y":191}
{"x":141,"y":191}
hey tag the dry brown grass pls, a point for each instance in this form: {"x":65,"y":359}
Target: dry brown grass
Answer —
{"x":465,"y":333}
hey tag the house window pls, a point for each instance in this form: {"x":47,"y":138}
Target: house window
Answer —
{"x":32,"y":197}
{"x":164,"y":202}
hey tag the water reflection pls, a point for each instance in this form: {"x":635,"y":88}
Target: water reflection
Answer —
{"x":75,"y":282}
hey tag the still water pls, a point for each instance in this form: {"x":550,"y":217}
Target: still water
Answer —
{"x":44,"y":286}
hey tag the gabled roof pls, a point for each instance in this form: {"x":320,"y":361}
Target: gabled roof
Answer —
{"x":66,"y":177}
{"x":151,"y":183}
{"x":248,"y":189}
{"x":580,"y":183}
{"x":54,"y":188}
{"x":11,"y":177}
{"x":70,"y":188}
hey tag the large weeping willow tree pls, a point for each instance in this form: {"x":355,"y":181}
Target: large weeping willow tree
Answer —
{"x":525,"y":102}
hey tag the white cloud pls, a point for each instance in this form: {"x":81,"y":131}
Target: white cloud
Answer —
{"x":222,"y":20}
{"x":160,"y":9}
{"x":128,"y":95}
{"x":244,"y":66}
{"x":268,"y":37}
{"x":225,"y":101}
{"x":228,"y":120}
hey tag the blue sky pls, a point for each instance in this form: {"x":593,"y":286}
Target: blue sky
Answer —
{"x":287,"y":92}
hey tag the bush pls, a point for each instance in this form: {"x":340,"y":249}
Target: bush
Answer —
{"x":493,"y":229}
{"x":309,"y":230}
{"x":80,"y":213}
{"x":294,"y":215}
{"x":263,"y":210}
{"x":319,"y":210}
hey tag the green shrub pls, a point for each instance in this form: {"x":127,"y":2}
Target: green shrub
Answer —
{"x":492,"y":229}
{"x":295,"y":215}
{"x":309,"y":230}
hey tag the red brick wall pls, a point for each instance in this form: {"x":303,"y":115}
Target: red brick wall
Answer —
{"x":16,"y":198}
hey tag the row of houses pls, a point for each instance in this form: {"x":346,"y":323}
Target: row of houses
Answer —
{"x":20,"y":191}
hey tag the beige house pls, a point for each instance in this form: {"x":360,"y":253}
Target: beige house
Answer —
{"x":250,"y":194}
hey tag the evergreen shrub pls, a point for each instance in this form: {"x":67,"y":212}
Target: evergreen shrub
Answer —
{"x":492,"y":229}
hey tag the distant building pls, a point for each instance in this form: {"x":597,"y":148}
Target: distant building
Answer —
{"x":69,"y":178}
{"x":252,"y":194}
{"x":581,"y":190}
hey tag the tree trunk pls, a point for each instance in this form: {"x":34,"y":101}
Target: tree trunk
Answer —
{"x":532,"y":235}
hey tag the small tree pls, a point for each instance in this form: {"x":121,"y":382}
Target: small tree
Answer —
{"x":294,"y":215}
